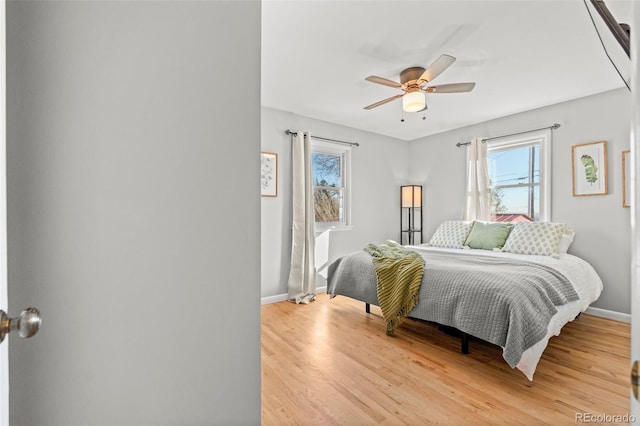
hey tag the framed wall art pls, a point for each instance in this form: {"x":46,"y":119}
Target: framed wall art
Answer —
{"x":626,"y":178}
{"x":589,"y":168}
{"x":269,"y":174}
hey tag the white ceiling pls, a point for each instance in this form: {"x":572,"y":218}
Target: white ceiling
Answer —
{"x":522,"y":55}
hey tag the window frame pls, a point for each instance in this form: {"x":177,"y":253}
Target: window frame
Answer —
{"x":543,"y":138}
{"x":344,"y":151}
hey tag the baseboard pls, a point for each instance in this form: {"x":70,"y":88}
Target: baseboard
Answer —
{"x":604,"y":313}
{"x":282,"y":297}
{"x":273,"y":299}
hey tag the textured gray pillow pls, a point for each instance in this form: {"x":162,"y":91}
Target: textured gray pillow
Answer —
{"x":451,"y":234}
{"x":536,"y":238}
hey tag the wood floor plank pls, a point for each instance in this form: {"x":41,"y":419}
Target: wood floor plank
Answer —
{"x":331,"y":363}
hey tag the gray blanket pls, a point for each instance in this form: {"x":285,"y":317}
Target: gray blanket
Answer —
{"x":504,"y":301}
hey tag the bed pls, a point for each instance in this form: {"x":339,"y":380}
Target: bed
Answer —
{"x":516,"y":291}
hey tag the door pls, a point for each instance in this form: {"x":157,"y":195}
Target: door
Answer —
{"x":133,"y":214}
{"x":4,"y":340}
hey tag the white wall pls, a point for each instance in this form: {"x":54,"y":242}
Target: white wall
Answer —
{"x":133,"y":169}
{"x":379,"y":167}
{"x":602,"y":226}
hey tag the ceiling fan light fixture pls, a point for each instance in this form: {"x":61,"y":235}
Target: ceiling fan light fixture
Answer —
{"x":413,"y":81}
{"x":414,"y":101}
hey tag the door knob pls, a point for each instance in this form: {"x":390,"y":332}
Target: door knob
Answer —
{"x":27,"y":324}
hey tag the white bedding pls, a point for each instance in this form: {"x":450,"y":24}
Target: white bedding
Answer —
{"x":580,"y":273}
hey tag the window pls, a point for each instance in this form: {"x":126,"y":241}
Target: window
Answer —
{"x":520,"y":175}
{"x":331,"y":163}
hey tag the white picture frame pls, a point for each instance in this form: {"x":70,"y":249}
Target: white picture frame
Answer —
{"x":589,"y":169}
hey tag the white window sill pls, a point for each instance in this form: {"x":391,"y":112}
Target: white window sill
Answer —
{"x":320,"y":230}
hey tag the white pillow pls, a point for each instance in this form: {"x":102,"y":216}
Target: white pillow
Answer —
{"x":451,"y":234}
{"x":565,"y":240}
{"x":535,"y":238}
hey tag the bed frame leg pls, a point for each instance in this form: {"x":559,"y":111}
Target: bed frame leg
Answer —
{"x":464,"y":340}
{"x":367,"y":308}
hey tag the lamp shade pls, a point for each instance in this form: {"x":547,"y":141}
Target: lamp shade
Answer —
{"x":413,"y":101}
{"x":411,"y":196}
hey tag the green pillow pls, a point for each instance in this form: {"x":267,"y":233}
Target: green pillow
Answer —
{"x":488,"y":236}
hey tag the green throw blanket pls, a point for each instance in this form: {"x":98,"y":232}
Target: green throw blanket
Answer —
{"x":399,"y":273}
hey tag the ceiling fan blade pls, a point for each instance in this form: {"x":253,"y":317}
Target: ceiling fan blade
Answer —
{"x":434,"y":70}
{"x":451,"y":88}
{"x":383,"y":81}
{"x":384,"y":101}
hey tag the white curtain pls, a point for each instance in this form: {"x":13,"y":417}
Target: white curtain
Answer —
{"x":302,"y":277}
{"x":478,"y":198}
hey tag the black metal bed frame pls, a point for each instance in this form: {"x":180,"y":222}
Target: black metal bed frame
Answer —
{"x":464,"y":337}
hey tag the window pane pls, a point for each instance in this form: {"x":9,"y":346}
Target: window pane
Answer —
{"x":536,"y":163}
{"x":328,"y":205}
{"x":512,"y":166}
{"x":327,"y":170}
{"x":515,"y":204}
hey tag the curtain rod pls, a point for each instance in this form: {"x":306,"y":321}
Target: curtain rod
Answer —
{"x":553,"y":127}
{"x":289,"y":132}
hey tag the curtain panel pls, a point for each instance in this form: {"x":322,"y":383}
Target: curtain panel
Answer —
{"x":478,"y":194}
{"x":302,"y":276}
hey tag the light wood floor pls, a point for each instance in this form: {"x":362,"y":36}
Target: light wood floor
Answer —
{"x":331,"y":363}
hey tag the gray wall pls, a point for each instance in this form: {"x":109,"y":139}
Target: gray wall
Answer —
{"x":602,"y":226}
{"x":129,"y":190}
{"x":379,"y":167}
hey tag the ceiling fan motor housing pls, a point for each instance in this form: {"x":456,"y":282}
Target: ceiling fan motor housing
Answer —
{"x":410,"y":74}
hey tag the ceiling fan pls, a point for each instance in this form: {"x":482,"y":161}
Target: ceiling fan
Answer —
{"x":413,"y":83}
